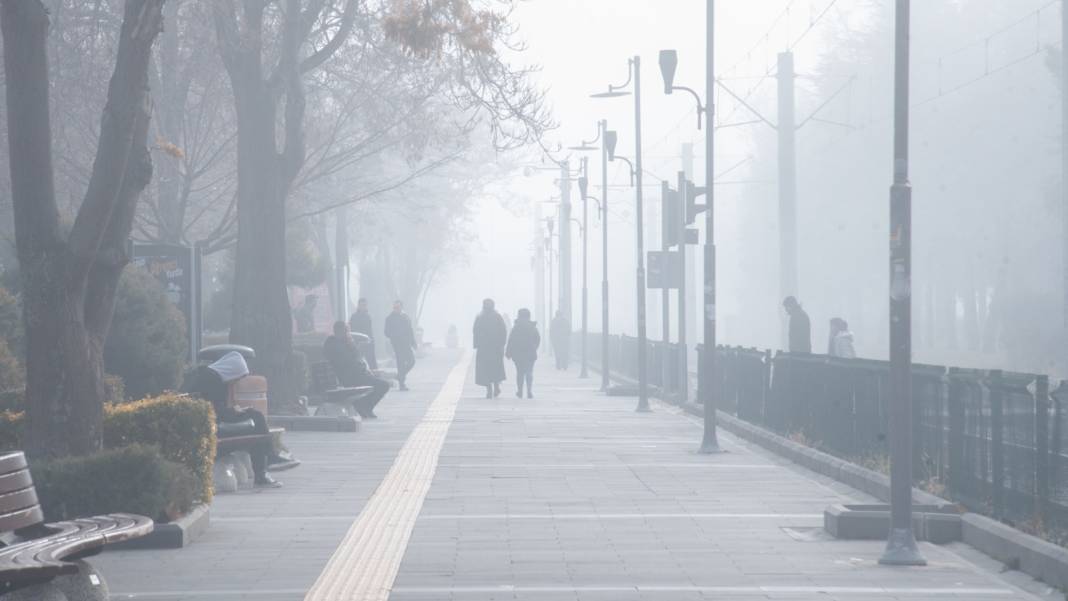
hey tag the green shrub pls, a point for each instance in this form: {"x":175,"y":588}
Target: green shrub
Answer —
{"x":181,"y":427}
{"x":133,"y":479}
{"x":146,"y":345}
{"x":15,"y":400}
{"x":11,"y":430}
{"x":11,"y":330}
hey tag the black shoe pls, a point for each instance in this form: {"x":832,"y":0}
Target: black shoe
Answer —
{"x":266,"y":481}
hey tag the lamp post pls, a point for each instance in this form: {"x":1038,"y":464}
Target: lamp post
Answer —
{"x":635,"y":77}
{"x":584,"y":187}
{"x":668,"y":65}
{"x":901,"y":546}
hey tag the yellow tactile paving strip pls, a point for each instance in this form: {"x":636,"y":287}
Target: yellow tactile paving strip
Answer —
{"x":365,"y":564}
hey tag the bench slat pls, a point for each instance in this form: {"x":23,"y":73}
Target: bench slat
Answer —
{"x":16,"y":520}
{"x":12,"y":462}
{"x":15,"y":481}
{"x":18,"y":500}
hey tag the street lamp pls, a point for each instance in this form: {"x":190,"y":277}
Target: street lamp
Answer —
{"x":634,"y":76}
{"x":668,"y":65}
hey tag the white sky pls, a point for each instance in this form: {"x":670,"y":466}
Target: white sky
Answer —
{"x":582,"y":46}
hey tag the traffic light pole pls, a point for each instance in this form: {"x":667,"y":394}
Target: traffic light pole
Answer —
{"x":643,"y":381}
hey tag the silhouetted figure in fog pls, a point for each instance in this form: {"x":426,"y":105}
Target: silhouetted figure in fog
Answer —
{"x":840,"y":343}
{"x":401,"y":335}
{"x":560,"y":337}
{"x":522,"y":349}
{"x":305,"y":315}
{"x":351,"y":369}
{"x":800,"y":327}
{"x":361,"y":322}
{"x":490,"y":336}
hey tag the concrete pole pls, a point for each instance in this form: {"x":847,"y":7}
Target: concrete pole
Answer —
{"x":1064,"y":153}
{"x":709,"y":440}
{"x":605,"y":380}
{"x":643,"y":380}
{"x":901,"y":546}
{"x":585,"y":268}
{"x":539,"y":269}
{"x":788,"y":281}
{"x":564,"y":227}
{"x":683,"y":375}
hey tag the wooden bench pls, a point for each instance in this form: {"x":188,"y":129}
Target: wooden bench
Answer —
{"x":324,"y":385}
{"x":36,"y":552}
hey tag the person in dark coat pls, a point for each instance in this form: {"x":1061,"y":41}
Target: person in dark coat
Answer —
{"x":361,"y":322}
{"x":800,"y":336}
{"x":212,"y":383}
{"x":351,"y":369}
{"x":490,"y":336}
{"x":401,"y":335}
{"x":560,"y":336}
{"x":522,"y":349}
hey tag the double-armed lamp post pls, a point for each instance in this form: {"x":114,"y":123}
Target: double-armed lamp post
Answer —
{"x":634,"y":77}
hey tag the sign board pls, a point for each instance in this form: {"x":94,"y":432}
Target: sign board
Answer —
{"x":177,"y":269}
{"x":665,"y":269}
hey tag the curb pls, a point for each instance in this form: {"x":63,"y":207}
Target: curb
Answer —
{"x":172,"y":535}
{"x":314,"y":423}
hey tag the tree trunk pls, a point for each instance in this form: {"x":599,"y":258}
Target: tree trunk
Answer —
{"x":69,"y":284}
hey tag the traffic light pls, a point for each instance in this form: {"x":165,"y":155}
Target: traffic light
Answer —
{"x":670,"y":215}
{"x":689,"y":192}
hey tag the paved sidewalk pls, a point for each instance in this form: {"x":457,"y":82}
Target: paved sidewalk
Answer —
{"x":570,"y":496}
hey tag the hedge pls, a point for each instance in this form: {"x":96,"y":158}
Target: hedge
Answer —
{"x":182,"y":428}
{"x":134,"y":479}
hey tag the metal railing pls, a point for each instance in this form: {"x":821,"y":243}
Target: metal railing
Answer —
{"x":994,"y":441}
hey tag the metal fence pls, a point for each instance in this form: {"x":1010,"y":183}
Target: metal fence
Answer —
{"x":995,"y":441}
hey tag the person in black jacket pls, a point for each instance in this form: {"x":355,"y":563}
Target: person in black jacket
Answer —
{"x":361,"y":322}
{"x":401,"y":335}
{"x":800,"y":337}
{"x":490,"y":336}
{"x":212,"y":383}
{"x":351,"y":369}
{"x":522,"y":349}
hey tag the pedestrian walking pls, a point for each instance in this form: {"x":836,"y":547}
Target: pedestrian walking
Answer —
{"x":840,"y":343}
{"x":522,"y":349}
{"x":401,"y":336}
{"x":490,"y":337}
{"x":560,"y":337}
{"x":800,"y":335}
{"x":360,"y":322}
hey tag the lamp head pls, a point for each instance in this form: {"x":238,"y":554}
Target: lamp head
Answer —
{"x":583,"y":186}
{"x":669,"y":61}
{"x":610,"y":94}
{"x":610,"y":139}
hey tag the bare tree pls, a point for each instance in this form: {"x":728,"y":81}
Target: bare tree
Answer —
{"x":69,"y":280}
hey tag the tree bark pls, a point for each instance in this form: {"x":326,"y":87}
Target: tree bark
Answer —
{"x":69,"y":283}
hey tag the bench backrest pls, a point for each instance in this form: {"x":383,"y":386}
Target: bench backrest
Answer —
{"x":18,"y":498}
{"x":250,"y":391}
{"x":323,"y":377}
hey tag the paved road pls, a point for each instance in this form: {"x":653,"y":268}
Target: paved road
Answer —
{"x":570,"y":496}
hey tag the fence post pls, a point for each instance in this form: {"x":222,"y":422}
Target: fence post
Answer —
{"x":955,"y":448}
{"x":1042,"y":457}
{"x":997,"y":448}
{"x":767,"y":388}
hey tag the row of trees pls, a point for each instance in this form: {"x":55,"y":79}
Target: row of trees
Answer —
{"x":266,"y":116}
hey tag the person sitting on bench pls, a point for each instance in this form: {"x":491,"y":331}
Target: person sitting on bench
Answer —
{"x":351,"y":369}
{"x":212,"y":383}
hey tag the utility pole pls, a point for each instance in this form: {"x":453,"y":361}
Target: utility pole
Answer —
{"x":643,"y":381}
{"x":564,"y":303}
{"x":605,"y":359}
{"x":665,"y":292}
{"x":693,"y":304}
{"x":901,"y":546}
{"x":585,"y":256}
{"x":683,"y":217}
{"x":788,"y":281}
{"x":710,"y":442}
{"x":539,"y":268}
{"x":1064,"y":154}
